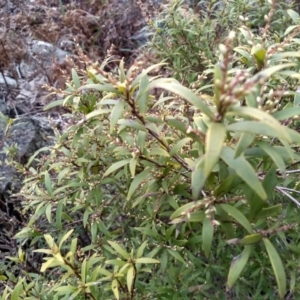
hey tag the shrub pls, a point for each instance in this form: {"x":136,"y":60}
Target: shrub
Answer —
{"x":159,"y":192}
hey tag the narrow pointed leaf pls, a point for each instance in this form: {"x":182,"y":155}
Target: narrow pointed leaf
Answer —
{"x":287,"y":113}
{"x":147,"y":260}
{"x":130,"y":277}
{"x":176,"y":255}
{"x":75,"y":78}
{"x":48,"y":184}
{"x":116,"y":166}
{"x":244,"y":142}
{"x":83,"y":271}
{"x":258,"y":128}
{"x":176,"y":88}
{"x":237,"y":266}
{"x":198,"y":180}
{"x":294,"y":15}
{"x":275,"y":156}
{"x":143,"y":94}
{"x":116,"y":114}
{"x":132,"y":124}
{"x":179,"y":145}
{"x":119,"y":249}
{"x":141,"y":249}
{"x":65,"y":237}
{"x":158,"y":151}
{"x":184,"y":208}
{"x":277,"y":267}
{"x":251,"y":239}
{"x":238,"y":216}
{"x":97,"y":112}
{"x":54,"y":104}
{"x":267,"y":73}
{"x":115,"y":288}
{"x":132,"y":165}
{"x":244,"y":170}
{"x":137,"y":181}
{"x":207,"y":236}
{"x":262,"y":116}
{"x":215,"y":137}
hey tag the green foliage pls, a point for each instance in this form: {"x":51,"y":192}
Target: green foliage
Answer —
{"x":157,"y":191}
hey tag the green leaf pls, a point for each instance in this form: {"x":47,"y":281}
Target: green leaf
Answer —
{"x":207,"y":236}
{"x":215,"y":138}
{"x":277,"y":267}
{"x":176,"y":88}
{"x":116,"y":113}
{"x":141,"y":249}
{"x":49,"y":240}
{"x":294,"y":16}
{"x":158,"y":151}
{"x":65,"y":237}
{"x":289,"y":29}
{"x":137,"y":181}
{"x":115,"y":289}
{"x":18,"y":289}
{"x":265,"y":118}
{"x":176,"y":255}
{"x":275,"y":156}
{"x":147,"y":260}
{"x":48,"y":212}
{"x":297,"y":98}
{"x":244,"y":54}
{"x":186,"y":207}
{"x":83,"y":271}
{"x":237,"y":266}
{"x":121,"y":71}
{"x":48,"y":184}
{"x":99,"y":87}
{"x":116,"y":166}
{"x":75,"y":78}
{"x":179,"y":145}
{"x":119,"y":249}
{"x":116,"y":262}
{"x":244,"y":142}
{"x":251,"y":239}
{"x":94,"y":231}
{"x":238,"y":216}
{"x":267,"y":73}
{"x":256,"y":127}
{"x":143,"y":94}
{"x":259,"y":54}
{"x":130,"y":278}
{"x":149,"y":69}
{"x":198,"y":178}
{"x":287,"y":112}
{"x":54,"y":104}
{"x":268,"y":212}
{"x":251,"y":100}
{"x":48,"y":264}
{"x":132,"y":124}
{"x":103,"y":228}
{"x":59,"y":209}
{"x":177,"y":125}
{"x":97,"y":112}
{"x":244,"y":170}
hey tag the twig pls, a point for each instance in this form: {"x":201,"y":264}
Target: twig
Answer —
{"x":281,"y":190}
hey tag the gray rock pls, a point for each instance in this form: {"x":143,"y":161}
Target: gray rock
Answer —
{"x":29,"y":134}
{"x":3,"y":107}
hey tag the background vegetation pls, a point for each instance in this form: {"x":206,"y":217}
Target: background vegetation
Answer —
{"x":178,"y":177}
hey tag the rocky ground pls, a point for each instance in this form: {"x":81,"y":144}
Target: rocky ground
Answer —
{"x":39,"y":44}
